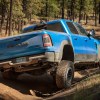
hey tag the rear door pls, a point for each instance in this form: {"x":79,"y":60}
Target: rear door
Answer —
{"x":77,"y":41}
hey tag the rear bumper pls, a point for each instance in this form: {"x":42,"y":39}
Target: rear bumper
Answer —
{"x":48,"y":56}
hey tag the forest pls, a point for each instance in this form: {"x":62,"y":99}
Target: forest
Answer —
{"x":14,"y":14}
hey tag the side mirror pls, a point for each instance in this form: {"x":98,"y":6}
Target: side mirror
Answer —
{"x":92,"y":33}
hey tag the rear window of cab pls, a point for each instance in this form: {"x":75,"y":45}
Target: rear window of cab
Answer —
{"x":52,"y":26}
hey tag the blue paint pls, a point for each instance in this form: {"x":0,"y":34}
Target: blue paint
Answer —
{"x":81,"y":44}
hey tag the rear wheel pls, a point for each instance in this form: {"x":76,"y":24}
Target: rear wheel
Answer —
{"x":64,"y":74}
{"x":11,"y":75}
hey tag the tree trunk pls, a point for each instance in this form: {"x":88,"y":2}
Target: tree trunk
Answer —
{"x":72,"y":9}
{"x":16,"y":25}
{"x":63,"y":9}
{"x":74,"y":1}
{"x":2,"y":21}
{"x":10,"y":18}
{"x":99,"y":12}
{"x":2,"y":15}
{"x":6,"y":32}
{"x":46,"y":8}
{"x":86,"y":19}
{"x":95,"y":9}
{"x":80,"y":10}
{"x":19,"y":26}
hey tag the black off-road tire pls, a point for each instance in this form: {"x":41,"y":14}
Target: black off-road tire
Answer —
{"x":64,"y":74}
{"x":10,"y":75}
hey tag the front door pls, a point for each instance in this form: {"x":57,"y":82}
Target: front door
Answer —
{"x":90,"y":49}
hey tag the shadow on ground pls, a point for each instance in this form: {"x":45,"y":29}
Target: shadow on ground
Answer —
{"x":26,"y":82}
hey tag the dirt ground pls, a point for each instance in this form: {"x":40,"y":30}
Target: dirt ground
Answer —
{"x":23,"y":88}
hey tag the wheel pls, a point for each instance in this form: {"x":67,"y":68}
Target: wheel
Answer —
{"x":64,"y":74}
{"x":10,"y":75}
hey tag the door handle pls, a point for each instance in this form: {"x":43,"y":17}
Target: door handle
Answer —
{"x":95,"y":44}
{"x":75,"y":38}
{"x":86,"y":40}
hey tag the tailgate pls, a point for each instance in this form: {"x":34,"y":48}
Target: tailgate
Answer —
{"x":22,"y":45}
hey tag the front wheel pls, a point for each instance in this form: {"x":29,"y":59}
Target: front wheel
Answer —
{"x":64,"y":74}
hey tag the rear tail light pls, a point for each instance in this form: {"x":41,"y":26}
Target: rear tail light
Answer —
{"x":46,"y":40}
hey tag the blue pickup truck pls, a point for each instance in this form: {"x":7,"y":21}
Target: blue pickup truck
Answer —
{"x":57,"y":47}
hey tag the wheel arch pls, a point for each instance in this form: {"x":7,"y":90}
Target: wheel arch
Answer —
{"x":66,"y":51}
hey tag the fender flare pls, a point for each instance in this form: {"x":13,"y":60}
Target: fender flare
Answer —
{"x":63,"y":43}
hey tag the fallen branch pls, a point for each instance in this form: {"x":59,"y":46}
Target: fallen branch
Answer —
{"x":7,"y":93}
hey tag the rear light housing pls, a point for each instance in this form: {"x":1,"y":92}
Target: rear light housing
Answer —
{"x":47,"y":40}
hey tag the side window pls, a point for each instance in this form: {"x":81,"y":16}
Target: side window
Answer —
{"x":72,"y":28}
{"x":81,"y":30}
{"x":53,"y":27}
